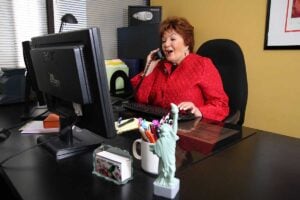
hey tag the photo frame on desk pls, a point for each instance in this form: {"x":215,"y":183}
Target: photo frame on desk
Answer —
{"x":282,"y":25}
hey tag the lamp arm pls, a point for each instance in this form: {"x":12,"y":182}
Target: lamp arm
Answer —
{"x":61,"y":26}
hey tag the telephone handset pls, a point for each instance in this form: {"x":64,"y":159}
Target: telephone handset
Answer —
{"x":159,"y":55}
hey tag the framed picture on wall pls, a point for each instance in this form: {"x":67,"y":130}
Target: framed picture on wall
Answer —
{"x":282,"y":24}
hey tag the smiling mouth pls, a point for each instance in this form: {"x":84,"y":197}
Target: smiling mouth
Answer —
{"x":168,"y":52}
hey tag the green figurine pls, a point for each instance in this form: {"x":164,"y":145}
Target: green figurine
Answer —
{"x":165,"y":148}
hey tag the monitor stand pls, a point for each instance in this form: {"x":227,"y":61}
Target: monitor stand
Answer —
{"x":71,"y":141}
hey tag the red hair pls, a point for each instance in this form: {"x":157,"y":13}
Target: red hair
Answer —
{"x":182,"y":27}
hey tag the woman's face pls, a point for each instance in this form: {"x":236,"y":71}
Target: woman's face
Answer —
{"x":173,"y":46}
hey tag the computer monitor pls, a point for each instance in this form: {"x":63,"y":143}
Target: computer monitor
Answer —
{"x":70,"y":71}
{"x":32,"y":92}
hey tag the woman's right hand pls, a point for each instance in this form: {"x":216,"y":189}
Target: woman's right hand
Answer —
{"x":151,"y":64}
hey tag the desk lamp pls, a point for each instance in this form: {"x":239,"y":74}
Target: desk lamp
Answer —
{"x":67,"y":18}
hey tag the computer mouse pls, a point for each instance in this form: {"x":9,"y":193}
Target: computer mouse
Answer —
{"x":4,"y":134}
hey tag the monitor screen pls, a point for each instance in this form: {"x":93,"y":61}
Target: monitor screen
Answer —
{"x":70,"y":71}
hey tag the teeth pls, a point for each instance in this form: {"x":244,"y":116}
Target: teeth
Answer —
{"x":168,"y":51}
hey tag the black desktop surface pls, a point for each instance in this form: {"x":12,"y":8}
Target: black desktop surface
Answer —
{"x":263,"y":166}
{"x":10,"y":114}
{"x":35,"y":174}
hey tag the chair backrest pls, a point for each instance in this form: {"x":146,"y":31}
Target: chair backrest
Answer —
{"x":229,"y":60}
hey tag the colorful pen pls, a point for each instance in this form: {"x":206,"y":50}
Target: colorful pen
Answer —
{"x":150,"y":136}
{"x":142,"y":132}
{"x":126,"y":122}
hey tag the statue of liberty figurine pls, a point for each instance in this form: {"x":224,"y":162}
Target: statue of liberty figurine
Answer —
{"x":166,"y":184}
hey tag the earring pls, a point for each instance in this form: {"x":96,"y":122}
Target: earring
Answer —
{"x":186,"y":52}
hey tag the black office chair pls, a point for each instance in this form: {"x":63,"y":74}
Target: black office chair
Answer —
{"x":229,"y":60}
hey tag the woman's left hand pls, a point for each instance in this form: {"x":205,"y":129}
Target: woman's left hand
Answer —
{"x":190,"y":106}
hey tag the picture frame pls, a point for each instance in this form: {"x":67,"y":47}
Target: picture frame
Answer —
{"x":282,"y":24}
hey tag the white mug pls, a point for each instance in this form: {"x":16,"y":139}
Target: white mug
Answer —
{"x":149,"y":160}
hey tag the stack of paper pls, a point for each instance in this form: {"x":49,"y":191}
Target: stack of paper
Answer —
{"x":127,"y":125}
{"x":37,"y":127}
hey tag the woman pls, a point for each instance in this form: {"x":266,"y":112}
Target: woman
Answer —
{"x":190,"y":81}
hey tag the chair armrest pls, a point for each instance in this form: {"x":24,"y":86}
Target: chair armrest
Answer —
{"x":233,"y":117}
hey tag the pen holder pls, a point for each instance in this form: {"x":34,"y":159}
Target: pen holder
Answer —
{"x":112,"y":164}
{"x":149,"y":161}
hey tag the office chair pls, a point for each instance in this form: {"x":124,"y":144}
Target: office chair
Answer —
{"x":229,"y":60}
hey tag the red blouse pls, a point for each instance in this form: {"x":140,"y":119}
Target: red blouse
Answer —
{"x":195,"y":79}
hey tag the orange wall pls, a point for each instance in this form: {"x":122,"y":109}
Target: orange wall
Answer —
{"x":273,"y":75}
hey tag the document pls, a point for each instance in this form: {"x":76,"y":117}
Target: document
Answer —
{"x":127,"y":125}
{"x":37,"y":127}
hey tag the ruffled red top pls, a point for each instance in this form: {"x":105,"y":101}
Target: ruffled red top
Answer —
{"x":195,"y":79}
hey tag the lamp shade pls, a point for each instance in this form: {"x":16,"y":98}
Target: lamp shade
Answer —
{"x":67,"y":19}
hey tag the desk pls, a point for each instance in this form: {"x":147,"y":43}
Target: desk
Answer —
{"x":10,"y":114}
{"x":264,"y":166}
{"x":36,"y":174}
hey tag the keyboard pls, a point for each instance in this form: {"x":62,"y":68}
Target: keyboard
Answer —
{"x":154,"y":111}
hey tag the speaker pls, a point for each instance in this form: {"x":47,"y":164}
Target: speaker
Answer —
{"x":136,"y":42}
{"x":144,"y":15}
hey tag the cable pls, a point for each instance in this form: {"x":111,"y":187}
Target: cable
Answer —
{"x":6,"y":131}
{"x":135,"y":90}
{"x":23,"y":122}
{"x":142,"y":79}
{"x":31,"y":147}
{"x":24,"y":150}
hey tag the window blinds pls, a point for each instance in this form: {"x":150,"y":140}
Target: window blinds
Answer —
{"x":20,"y":20}
{"x":107,"y":15}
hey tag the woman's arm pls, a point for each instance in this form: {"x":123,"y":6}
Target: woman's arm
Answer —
{"x":142,"y":82}
{"x":216,"y":100}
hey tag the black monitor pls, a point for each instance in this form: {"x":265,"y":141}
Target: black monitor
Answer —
{"x":70,"y":71}
{"x":32,"y":92}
